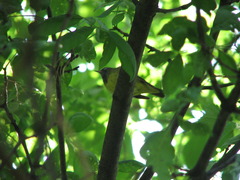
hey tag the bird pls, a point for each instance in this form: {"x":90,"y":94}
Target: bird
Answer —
{"x":110,"y":76}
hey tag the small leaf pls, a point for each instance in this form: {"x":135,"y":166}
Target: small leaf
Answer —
{"x":108,"y":51}
{"x":10,"y":6}
{"x":173,"y":76}
{"x":158,"y":58}
{"x":206,"y":5}
{"x":80,"y":121}
{"x":109,"y":10}
{"x":117,"y":19}
{"x":228,"y":66}
{"x":199,"y":63}
{"x":39,"y":5}
{"x":88,"y":51}
{"x":170,"y":105}
{"x":126,"y":55}
{"x":130,"y":166}
{"x":74,"y":39}
{"x":101,"y":35}
{"x":226,"y":19}
{"x":178,"y":38}
{"x":52,"y":25}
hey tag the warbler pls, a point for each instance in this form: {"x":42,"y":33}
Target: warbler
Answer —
{"x":110,"y":76}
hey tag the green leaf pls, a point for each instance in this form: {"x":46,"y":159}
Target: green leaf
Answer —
{"x":126,"y":55}
{"x":173,"y":76}
{"x":227,"y":135}
{"x":199,"y":63}
{"x":108,"y":51}
{"x":129,"y":169}
{"x":101,"y":35}
{"x":178,"y":38}
{"x":117,"y":19}
{"x":79,"y":122}
{"x":228,"y":66}
{"x":159,"y":153}
{"x":130,"y":166}
{"x":10,"y":6}
{"x":74,"y":39}
{"x":88,"y":51}
{"x":171,"y":105}
{"x":109,"y":10}
{"x":206,"y":5}
{"x":39,"y":5}
{"x":158,"y":58}
{"x":59,"y":7}
{"x":226,"y":19}
{"x":52,"y":25}
{"x":180,"y":28}
{"x":176,"y":23}
{"x":193,"y":148}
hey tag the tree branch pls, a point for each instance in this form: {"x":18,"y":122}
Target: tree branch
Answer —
{"x":147,"y":174}
{"x":183,"y":7}
{"x":122,"y":97}
{"x":220,"y":86}
{"x":227,"y":159}
{"x":228,"y":107}
{"x":215,"y":85}
{"x":21,"y":135}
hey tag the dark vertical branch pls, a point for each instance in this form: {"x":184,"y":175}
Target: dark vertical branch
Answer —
{"x":227,"y":108}
{"x":57,"y":73}
{"x":145,"y":11}
{"x":60,"y":121}
{"x":228,"y":105}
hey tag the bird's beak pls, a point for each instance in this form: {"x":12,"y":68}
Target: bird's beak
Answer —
{"x":98,"y":71}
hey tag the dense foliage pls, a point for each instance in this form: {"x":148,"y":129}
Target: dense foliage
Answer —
{"x":54,"y":109}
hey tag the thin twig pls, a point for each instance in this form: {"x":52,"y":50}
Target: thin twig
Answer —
{"x":59,"y":115}
{"x":21,"y":135}
{"x":219,"y":85}
{"x":151,"y":48}
{"x":215,"y":85}
{"x":183,"y":7}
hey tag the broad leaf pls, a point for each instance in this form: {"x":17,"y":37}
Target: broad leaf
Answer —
{"x":228,"y":66}
{"x":158,"y":58}
{"x":226,"y":20}
{"x":125,"y":54}
{"x":74,"y":39}
{"x":109,"y":48}
{"x":79,"y":121}
{"x":173,"y":76}
{"x":205,"y":5}
{"x":159,"y":153}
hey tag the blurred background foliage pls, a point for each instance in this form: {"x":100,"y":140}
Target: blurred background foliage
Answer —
{"x":33,"y":33}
